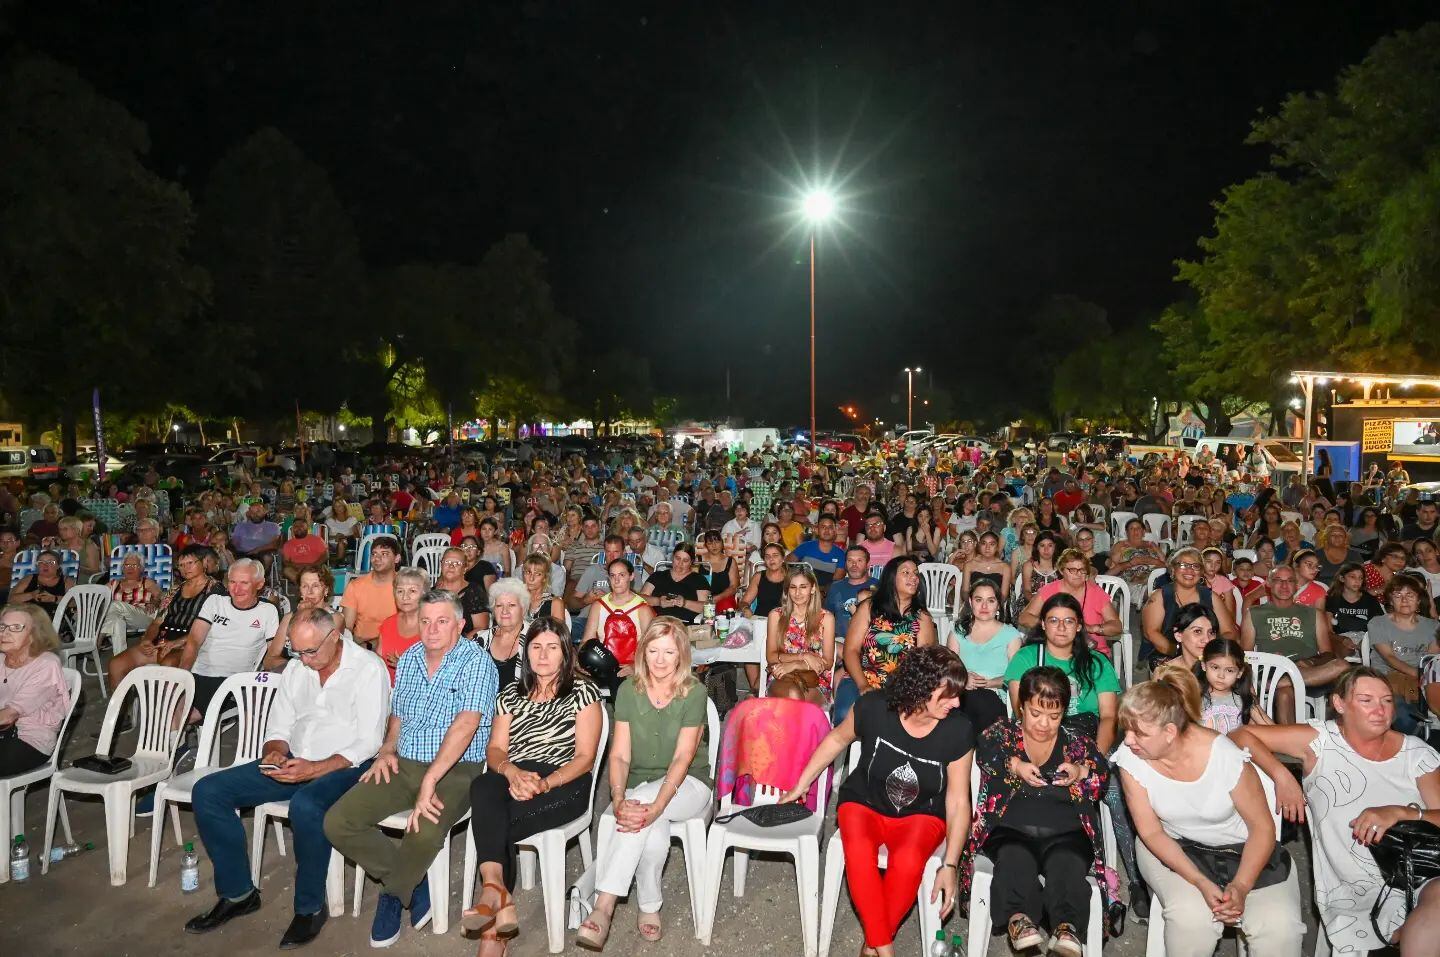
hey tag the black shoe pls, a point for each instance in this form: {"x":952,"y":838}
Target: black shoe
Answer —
{"x":222,"y":912}
{"x":1115,"y":919}
{"x":303,"y":929}
{"x":1140,"y":901}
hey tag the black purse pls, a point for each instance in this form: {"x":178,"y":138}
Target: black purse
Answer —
{"x":1408,"y":855}
{"x":769,"y":815}
{"x":1220,"y":864}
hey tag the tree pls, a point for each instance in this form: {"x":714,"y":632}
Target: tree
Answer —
{"x":1118,"y":379}
{"x":94,"y":280}
{"x":289,"y":280}
{"x":1061,"y":325}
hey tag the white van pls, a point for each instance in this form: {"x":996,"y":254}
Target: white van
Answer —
{"x":34,"y":463}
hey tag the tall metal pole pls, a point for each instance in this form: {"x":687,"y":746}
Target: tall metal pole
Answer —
{"x":1309,"y":384}
{"x":909,"y":400}
{"x":813,"y":452}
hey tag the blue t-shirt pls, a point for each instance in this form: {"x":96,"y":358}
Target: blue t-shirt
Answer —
{"x":840,"y":601}
{"x":823,"y":563}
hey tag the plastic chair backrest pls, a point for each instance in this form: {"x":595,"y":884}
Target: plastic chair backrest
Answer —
{"x":712,"y":724}
{"x":1155,"y":574}
{"x":1185,"y":528}
{"x":1157,"y":525}
{"x":161,"y":692}
{"x":599,"y":753}
{"x":1118,"y":521}
{"x":1269,"y":669}
{"x":1119,"y":591}
{"x":362,"y":554}
{"x":939,"y":580}
{"x":429,"y":540}
{"x":72,"y":686}
{"x":158,"y":559}
{"x":1240,"y":553}
{"x":89,"y":603}
{"x":254,"y":693}
{"x":25,"y":561}
{"x":427,"y":559}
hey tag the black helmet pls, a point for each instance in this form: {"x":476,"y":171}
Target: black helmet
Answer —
{"x":599,"y":663}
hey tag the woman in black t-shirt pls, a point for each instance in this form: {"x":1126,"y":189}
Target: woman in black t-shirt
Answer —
{"x":679,"y":590}
{"x":1349,"y":605}
{"x":909,"y":790}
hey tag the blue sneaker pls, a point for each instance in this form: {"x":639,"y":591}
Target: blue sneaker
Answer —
{"x":385,"y":929}
{"x":420,"y":904}
{"x":145,"y":804}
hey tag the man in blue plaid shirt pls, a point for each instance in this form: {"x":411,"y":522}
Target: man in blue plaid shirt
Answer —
{"x":439,"y":726}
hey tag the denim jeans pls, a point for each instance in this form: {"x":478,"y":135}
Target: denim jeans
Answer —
{"x":846,"y":694}
{"x":219,"y":796}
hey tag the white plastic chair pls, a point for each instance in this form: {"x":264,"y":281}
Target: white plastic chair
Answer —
{"x":87,"y":606}
{"x":1118,"y":521}
{"x":163,"y":692}
{"x":1269,"y":669}
{"x":12,"y":789}
{"x":1155,"y":941}
{"x":1185,"y":528}
{"x":691,"y":834}
{"x":835,"y":872}
{"x":362,"y":553}
{"x":427,"y":559}
{"x":428,"y":540}
{"x":800,"y":839}
{"x":438,"y":873}
{"x":547,"y":849}
{"x":1154,"y":577}
{"x":979,"y":930}
{"x":1240,"y":553}
{"x":254,"y":693}
{"x":1157,"y":527}
{"x":942,"y":594}
{"x":1124,"y":643}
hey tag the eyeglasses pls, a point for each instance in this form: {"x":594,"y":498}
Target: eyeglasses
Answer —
{"x":452,"y":563}
{"x":1187,"y":566}
{"x":469,"y":548}
{"x":14,"y":629}
{"x":312,"y":652}
{"x":1062,"y":623}
{"x":1074,"y":569}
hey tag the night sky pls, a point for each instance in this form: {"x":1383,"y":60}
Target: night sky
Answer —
{"x":990,"y":154}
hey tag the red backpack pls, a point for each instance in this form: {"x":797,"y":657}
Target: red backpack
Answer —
{"x":620,"y":635}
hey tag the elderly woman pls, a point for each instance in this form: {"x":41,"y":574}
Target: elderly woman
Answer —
{"x":914,"y":733}
{"x":316,"y":586}
{"x":163,"y":639}
{"x":34,"y":698}
{"x":1038,"y":818}
{"x":658,"y":773}
{"x":134,"y":600}
{"x":1350,"y":810}
{"x":508,"y":601}
{"x":473,"y":598}
{"x":1185,"y":587}
{"x":1290,"y":542}
{"x":663,"y":531}
{"x":1133,"y":558}
{"x":46,"y":587}
{"x":543,"y":745}
{"x":72,"y":538}
{"x":1207,"y":839}
{"x":1399,"y":641}
{"x":535,"y":572}
{"x":402,"y":629}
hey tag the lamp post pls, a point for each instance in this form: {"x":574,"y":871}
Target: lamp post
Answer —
{"x":819,"y":205}
{"x":910,"y":397}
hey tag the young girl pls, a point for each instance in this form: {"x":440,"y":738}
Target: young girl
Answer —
{"x":1229,"y":689}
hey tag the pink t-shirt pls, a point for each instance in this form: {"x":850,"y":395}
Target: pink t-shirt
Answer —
{"x":1312,"y":594}
{"x":880,"y":552}
{"x":37,"y":691}
{"x":1093,"y":606}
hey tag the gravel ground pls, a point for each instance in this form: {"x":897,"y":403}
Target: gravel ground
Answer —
{"x":46,"y":915}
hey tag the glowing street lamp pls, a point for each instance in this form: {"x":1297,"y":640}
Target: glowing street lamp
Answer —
{"x":910,"y":398}
{"x":818,"y":206}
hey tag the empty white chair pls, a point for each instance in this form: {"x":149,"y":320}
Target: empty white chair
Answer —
{"x":428,"y":540}
{"x":12,"y":789}
{"x":835,"y":872}
{"x":547,"y":849}
{"x":427,"y":559}
{"x":254,"y":693}
{"x":162,"y":694}
{"x":1118,"y":521}
{"x":86,"y":606}
{"x":979,"y":942}
{"x":942,"y":594}
{"x":1157,"y":527}
{"x":1269,"y":669}
{"x":799,"y":839}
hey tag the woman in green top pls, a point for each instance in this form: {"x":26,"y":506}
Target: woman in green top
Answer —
{"x":658,"y":773}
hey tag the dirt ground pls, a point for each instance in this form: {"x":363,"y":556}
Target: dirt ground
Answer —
{"x":74,"y":910}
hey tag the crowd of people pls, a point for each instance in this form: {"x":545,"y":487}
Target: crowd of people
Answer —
{"x":950,"y":616}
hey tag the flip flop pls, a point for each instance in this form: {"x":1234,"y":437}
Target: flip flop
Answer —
{"x":594,"y":931}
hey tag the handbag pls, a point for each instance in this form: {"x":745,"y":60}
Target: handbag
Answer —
{"x":1408,"y":855}
{"x":1219,"y":864}
{"x":768,"y":815}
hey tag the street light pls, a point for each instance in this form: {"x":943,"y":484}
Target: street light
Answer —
{"x":818,"y":206}
{"x":910,"y":398}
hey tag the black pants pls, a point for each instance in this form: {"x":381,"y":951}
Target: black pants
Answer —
{"x":983,"y":707}
{"x":1063,"y":860}
{"x":497,"y":820}
{"x":16,"y":756}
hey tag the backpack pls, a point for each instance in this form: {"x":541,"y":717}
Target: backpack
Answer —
{"x":620,"y":634}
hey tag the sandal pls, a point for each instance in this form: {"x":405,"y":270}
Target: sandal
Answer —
{"x":594,"y":931}
{"x":650,"y":928}
{"x":481,"y":918}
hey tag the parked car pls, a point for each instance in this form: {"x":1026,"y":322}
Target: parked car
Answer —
{"x":87,"y":467}
{"x":29,"y":463}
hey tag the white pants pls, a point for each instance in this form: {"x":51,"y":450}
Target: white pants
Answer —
{"x":1271,"y":923}
{"x":121,"y":619}
{"x":640,"y":856}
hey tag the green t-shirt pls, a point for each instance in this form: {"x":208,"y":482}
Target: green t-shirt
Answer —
{"x":1087,"y":703}
{"x":653,"y":732}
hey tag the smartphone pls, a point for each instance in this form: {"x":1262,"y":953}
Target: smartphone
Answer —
{"x":269,"y":767}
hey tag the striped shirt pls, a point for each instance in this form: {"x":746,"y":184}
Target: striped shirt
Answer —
{"x":465,"y":681}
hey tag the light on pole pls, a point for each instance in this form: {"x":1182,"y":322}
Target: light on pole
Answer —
{"x":910,"y":397}
{"x":818,"y":206}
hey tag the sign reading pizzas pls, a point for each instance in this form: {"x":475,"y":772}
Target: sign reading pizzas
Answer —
{"x":1379,"y":436}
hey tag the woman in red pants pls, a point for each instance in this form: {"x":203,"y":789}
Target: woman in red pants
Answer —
{"x":910,"y":793}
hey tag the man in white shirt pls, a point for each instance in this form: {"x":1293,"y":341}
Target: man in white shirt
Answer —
{"x":230,"y":633}
{"x":327,"y":721}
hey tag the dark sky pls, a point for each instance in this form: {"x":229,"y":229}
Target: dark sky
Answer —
{"x":991,"y":154}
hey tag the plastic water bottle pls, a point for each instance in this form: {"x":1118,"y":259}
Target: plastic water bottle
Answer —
{"x":58,"y":854}
{"x":957,"y":945}
{"x":190,"y":870}
{"x":941,"y":947}
{"x":19,"y":859}
{"x":710,"y":611}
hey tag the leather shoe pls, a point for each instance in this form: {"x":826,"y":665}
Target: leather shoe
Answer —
{"x":222,"y":912}
{"x":303,"y":929}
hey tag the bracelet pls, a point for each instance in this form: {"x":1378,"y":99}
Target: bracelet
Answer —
{"x":949,"y":865}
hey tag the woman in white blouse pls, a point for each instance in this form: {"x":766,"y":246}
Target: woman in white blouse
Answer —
{"x":1192,"y":792}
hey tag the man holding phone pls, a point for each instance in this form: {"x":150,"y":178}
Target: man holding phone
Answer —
{"x":325,"y":726}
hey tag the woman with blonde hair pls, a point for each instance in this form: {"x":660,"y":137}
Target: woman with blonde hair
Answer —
{"x":1208,"y":845}
{"x":541,"y":601}
{"x":800,"y":639}
{"x":34,"y":697}
{"x":659,"y":772}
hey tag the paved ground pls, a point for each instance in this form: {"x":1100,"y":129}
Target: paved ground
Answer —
{"x":74,"y":910}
